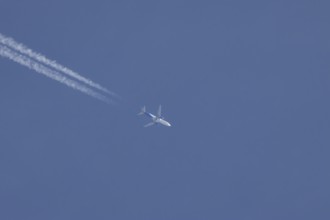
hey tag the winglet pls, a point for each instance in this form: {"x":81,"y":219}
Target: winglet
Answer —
{"x":143,"y":110}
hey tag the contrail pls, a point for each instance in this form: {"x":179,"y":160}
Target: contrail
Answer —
{"x":42,"y":69}
{"x":9,"y":42}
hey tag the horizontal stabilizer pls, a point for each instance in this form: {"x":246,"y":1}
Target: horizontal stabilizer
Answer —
{"x":143,"y":110}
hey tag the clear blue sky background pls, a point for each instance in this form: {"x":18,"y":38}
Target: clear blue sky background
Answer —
{"x":245,"y":84}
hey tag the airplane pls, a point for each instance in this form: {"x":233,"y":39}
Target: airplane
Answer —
{"x":156,"y":119}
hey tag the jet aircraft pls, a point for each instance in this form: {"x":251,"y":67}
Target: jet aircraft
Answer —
{"x":156,"y":119}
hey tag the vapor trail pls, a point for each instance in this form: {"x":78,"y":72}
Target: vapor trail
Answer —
{"x":42,"y":69}
{"x":9,"y":42}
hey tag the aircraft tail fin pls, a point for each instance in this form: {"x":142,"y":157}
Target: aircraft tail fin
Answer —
{"x":143,"y":110}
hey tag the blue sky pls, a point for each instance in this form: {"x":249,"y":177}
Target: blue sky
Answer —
{"x":245,"y":85}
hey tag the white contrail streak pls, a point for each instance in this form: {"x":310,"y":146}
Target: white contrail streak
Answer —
{"x":42,"y":69}
{"x":9,"y":42}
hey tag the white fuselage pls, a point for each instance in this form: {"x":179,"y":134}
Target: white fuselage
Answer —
{"x":158,"y":120}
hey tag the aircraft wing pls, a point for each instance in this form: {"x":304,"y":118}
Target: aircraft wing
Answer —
{"x":159,"y":113}
{"x":151,"y":123}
